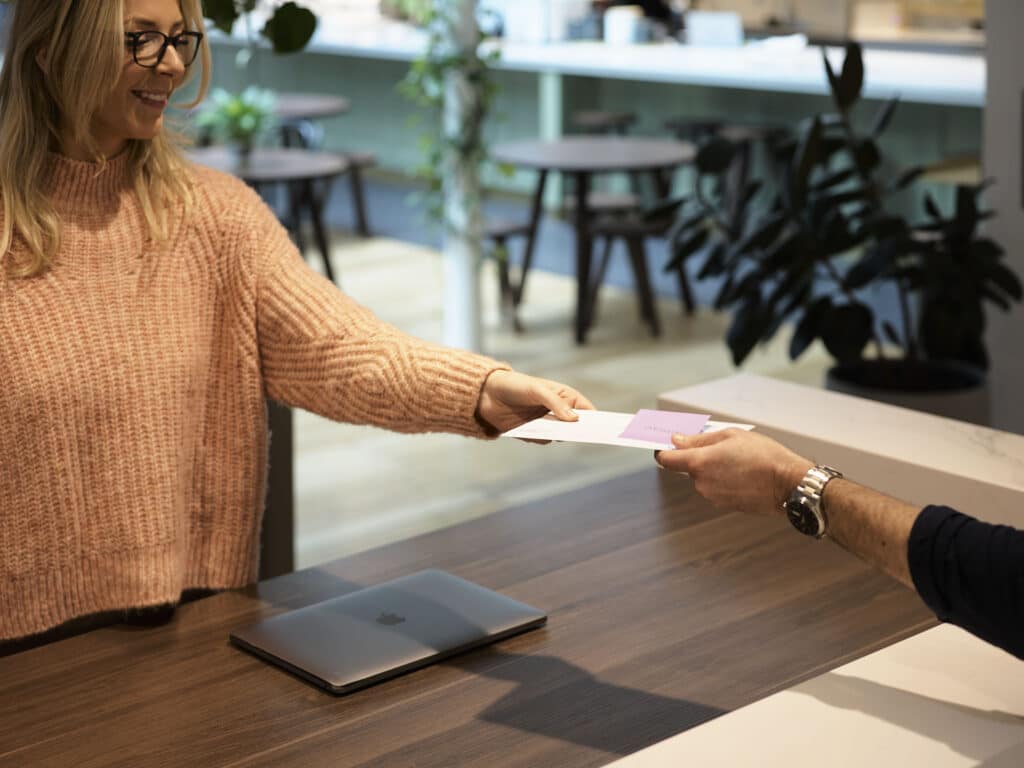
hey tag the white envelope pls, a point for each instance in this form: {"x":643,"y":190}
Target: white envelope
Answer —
{"x":601,"y":427}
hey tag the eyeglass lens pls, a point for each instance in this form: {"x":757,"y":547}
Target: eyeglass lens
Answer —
{"x":149,"y":47}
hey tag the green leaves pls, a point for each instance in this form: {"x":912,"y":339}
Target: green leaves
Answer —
{"x":222,"y":13}
{"x":846,"y":87}
{"x":826,"y":240}
{"x":290,"y":28}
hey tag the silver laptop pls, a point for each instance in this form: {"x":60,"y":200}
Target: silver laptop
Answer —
{"x":373,"y":634}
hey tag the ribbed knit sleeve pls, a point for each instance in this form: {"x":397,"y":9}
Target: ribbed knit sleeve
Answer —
{"x":322,"y":351}
{"x":970,"y":574}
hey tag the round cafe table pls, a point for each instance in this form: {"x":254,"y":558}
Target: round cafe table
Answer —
{"x":309,"y":106}
{"x":581,"y":157}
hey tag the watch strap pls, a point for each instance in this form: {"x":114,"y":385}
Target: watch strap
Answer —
{"x":808,"y":495}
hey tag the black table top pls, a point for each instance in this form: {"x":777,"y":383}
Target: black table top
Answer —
{"x":595,"y":154}
{"x":309,"y":106}
{"x":271,"y":165}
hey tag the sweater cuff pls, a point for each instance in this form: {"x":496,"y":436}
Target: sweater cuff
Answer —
{"x":932,"y":524}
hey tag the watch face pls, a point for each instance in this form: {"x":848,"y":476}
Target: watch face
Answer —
{"x":803,"y":518}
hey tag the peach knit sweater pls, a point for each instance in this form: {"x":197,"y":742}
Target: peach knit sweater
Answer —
{"x":133,"y":378}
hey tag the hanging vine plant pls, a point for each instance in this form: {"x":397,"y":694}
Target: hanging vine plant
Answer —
{"x":288,"y":27}
{"x":425,"y":84}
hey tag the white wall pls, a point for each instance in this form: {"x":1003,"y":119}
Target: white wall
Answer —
{"x":1004,"y":27}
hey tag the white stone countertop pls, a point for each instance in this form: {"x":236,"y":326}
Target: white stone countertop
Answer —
{"x":942,"y":699}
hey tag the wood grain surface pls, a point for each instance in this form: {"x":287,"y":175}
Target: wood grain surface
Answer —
{"x":663,"y":613}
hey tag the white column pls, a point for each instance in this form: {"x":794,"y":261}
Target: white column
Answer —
{"x":1003,"y":135}
{"x":463,"y":223}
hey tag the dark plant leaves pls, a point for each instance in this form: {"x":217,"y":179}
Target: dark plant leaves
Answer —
{"x":804,"y":160}
{"x":664,"y":209}
{"x":685,"y":245}
{"x":908,"y":177}
{"x":867,"y":156}
{"x":745,"y":329}
{"x":872,"y":264}
{"x":891,"y":333}
{"x":1005,"y":279}
{"x":966,"y":207}
{"x":764,"y":235}
{"x":290,"y":28}
{"x":884,"y":116}
{"x":847,"y":85}
{"x":715,"y":156}
{"x":222,"y":13}
{"x":809,"y":327}
{"x":834,"y":179}
{"x":714,"y":263}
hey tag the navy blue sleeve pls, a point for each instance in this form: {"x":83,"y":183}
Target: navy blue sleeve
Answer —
{"x":970,"y":574}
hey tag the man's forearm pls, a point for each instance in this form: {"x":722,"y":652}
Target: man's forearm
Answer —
{"x":871,"y":525}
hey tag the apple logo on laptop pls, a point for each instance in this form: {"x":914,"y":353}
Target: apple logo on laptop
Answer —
{"x":389,"y":619}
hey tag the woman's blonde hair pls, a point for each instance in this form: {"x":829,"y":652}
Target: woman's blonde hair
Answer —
{"x":83,"y":44}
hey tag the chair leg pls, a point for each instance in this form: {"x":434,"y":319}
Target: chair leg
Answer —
{"x":295,"y":194}
{"x":355,"y":182}
{"x":598,"y":278}
{"x":319,"y":230}
{"x":684,"y":289}
{"x":536,"y":209}
{"x":638,"y":258}
{"x":506,"y":292}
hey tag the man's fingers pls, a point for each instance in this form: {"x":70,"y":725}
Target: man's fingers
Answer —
{"x":701,"y":440}
{"x":677,"y":461}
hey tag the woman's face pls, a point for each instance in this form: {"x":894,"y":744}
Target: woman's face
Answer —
{"x":135,"y":109}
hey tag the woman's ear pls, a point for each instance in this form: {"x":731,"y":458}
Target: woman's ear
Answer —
{"x":42,"y":60}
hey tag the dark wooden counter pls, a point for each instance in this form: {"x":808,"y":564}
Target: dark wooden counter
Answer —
{"x":663,"y":613}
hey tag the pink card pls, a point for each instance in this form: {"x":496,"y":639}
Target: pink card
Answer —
{"x":659,"y":426}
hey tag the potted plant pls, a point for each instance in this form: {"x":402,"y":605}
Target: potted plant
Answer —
{"x":810,"y":248}
{"x":237,"y":119}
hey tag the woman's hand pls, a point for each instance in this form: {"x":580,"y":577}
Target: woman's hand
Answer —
{"x":509,"y":399}
{"x":738,"y":470}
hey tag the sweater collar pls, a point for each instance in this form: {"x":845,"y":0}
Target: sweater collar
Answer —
{"x":77,"y":184}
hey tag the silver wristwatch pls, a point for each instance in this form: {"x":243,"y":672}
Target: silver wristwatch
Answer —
{"x":804,"y":508}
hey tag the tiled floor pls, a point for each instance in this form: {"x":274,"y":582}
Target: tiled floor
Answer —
{"x":358,"y":487}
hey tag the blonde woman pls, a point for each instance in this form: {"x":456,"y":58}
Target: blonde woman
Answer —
{"x":147,"y":309}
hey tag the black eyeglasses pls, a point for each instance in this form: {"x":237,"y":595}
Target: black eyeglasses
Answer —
{"x":148,"y":48}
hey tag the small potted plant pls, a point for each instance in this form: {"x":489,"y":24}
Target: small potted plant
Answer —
{"x":809,"y":248}
{"x":237,"y":119}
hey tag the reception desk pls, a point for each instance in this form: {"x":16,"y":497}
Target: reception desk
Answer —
{"x":663,"y":613}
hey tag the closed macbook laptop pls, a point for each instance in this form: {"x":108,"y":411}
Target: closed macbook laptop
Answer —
{"x":373,"y":634}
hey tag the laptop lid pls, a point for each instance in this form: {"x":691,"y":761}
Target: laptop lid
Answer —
{"x":367,"y":636}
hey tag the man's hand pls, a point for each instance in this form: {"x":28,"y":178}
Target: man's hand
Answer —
{"x":736,"y":469}
{"x":509,"y":399}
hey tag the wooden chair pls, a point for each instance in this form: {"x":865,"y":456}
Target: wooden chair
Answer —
{"x":633,"y":231}
{"x":306,"y":134}
{"x":497,"y":234}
